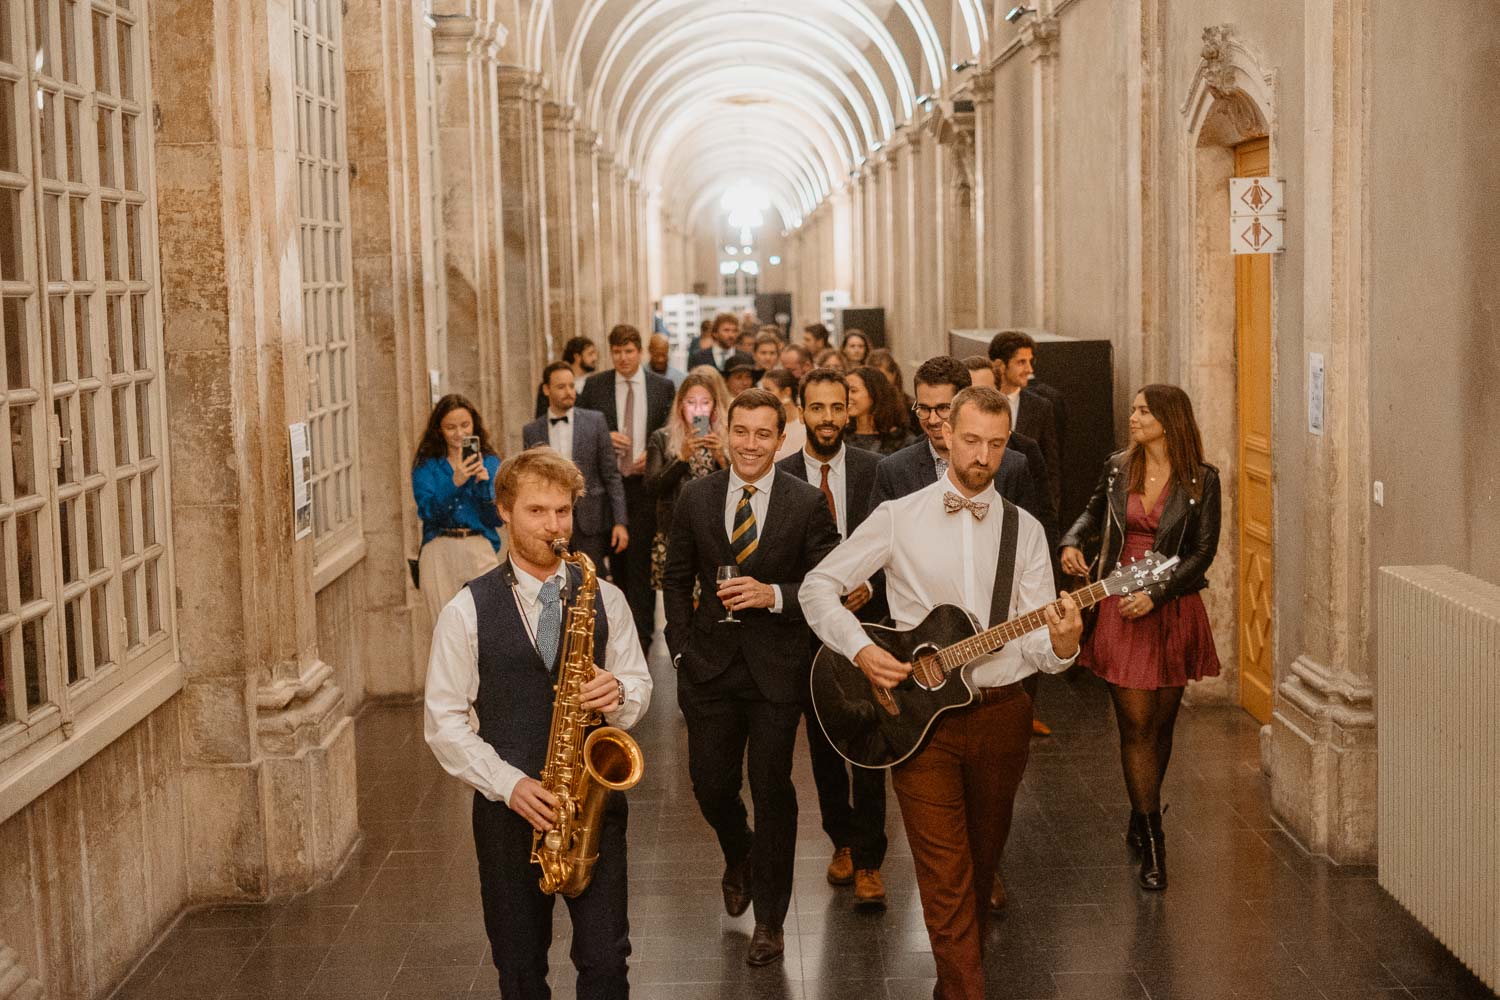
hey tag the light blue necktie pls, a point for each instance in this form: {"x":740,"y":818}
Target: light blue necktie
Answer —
{"x":549,"y":625}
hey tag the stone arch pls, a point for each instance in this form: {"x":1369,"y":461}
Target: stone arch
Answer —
{"x":1231,"y":100}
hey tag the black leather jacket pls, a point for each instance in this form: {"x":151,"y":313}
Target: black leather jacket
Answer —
{"x":1189,"y":528}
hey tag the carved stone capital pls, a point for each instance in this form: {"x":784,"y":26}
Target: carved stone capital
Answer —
{"x":1039,"y":34}
{"x":556,"y":115}
{"x":295,"y":713}
{"x":585,"y":140}
{"x":514,"y":83}
{"x":981,"y":87}
{"x":16,"y":983}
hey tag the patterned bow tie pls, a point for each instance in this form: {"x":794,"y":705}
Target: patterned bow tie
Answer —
{"x":953,"y":503}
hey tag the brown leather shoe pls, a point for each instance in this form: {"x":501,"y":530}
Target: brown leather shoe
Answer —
{"x":766,"y":946}
{"x":841,"y":868}
{"x":736,"y":886}
{"x":997,"y":893}
{"x":869,"y":888}
{"x":1040,"y":728}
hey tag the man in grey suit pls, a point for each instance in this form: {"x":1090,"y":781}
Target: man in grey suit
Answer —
{"x":582,"y":437}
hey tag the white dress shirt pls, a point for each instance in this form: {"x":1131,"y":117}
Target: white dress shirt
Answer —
{"x":453,"y":681}
{"x":637,"y":443}
{"x":1014,"y":399}
{"x":759,"y":502}
{"x":932,"y":557}
{"x":560,"y":435}
{"x":836,"y":484}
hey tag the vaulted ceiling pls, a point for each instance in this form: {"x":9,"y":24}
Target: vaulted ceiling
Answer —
{"x":792,"y":95}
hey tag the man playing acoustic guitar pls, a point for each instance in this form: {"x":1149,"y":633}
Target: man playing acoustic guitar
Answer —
{"x":947,"y":544}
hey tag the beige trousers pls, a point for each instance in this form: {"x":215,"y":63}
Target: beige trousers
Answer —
{"x":447,"y":564}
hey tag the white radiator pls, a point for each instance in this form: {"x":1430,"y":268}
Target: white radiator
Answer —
{"x":1438,"y":712}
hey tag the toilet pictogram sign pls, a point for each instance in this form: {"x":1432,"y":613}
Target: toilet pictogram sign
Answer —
{"x":1257,"y":215}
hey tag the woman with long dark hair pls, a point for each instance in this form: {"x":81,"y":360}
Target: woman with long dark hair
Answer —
{"x":855,"y":347}
{"x":453,"y":481}
{"x":876,"y":420}
{"x":884,"y":361}
{"x":1158,"y":495}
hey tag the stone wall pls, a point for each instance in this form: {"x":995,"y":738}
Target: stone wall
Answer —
{"x":96,"y":867}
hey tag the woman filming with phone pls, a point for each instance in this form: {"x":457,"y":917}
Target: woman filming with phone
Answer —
{"x":689,"y":446}
{"x":453,"y":482}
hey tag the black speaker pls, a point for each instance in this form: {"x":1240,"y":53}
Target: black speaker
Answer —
{"x":1082,"y":371}
{"x":870,"y":319}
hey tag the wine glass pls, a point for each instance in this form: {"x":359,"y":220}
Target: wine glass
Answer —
{"x":725,"y":573}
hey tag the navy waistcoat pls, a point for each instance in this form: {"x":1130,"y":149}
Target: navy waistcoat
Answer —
{"x":515,"y":698}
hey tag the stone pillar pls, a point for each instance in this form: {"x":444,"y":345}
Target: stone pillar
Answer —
{"x":16,"y":982}
{"x":609,"y":250}
{"x":982,"y":153}
{"x":641,"y":243}
{"x":586,"y":202}
{"x":266,"y":740}
{"x":1322,"y":732}
{"x":953,"y":189}
{"x":562,"y":224}
{"x":523,"y":328}
{"x":1039,"y":35}
{"x":465,"y":50}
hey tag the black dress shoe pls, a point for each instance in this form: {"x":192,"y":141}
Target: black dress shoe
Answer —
{"x":766,"y":946}
{"x":1153,"y":876}
{"x":1135,"y":833}
{"x":736,"y":886}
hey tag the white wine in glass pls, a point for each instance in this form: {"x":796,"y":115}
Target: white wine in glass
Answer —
{"x":724,"y":574}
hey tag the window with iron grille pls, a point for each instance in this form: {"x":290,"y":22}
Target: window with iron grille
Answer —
{"x":85,"y":579}
{"x":327,"y":316}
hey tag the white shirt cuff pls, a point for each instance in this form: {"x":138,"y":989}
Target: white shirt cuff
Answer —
{"x":776,"y":605}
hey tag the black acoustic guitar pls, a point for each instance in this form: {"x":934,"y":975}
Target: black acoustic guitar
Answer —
{"x":874,"y":727}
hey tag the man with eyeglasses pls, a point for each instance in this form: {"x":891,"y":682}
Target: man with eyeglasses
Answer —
{"x":919,"y":465}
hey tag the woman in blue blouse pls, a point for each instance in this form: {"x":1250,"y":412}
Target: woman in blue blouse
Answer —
{"x":455,"y":497}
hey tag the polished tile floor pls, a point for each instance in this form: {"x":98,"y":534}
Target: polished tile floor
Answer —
{"x":1248,"y":915}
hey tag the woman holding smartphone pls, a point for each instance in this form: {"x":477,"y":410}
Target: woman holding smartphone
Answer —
{"x":689,"y":446}
{"x":1157,"y":495}
{"x":453,"y":481}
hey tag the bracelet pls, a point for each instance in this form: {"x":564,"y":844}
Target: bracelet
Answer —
{"x":620,"y":686}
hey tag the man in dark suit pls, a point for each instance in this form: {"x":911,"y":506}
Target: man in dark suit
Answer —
{"x":920,"y":465}
{"x":635,"y":402}
{"x":742,"y":684}
{"x":600,"y":518}
{"x":852,"y":806}
{"x":582,"y":357}
{"x":726,"y":330}
{"x":1014,"y":356}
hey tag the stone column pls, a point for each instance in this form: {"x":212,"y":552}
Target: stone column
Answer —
{"x":465,"y":50}
{"x":954,"y":183}
{"x":562,"y":224}
{"x":586,"y":202}
{"x":982,"y":151}
{"x":523,"y":328}
{"x":1039,"y":35}
{"x":609,"y":251}
{"x":1322,"y":732}
{"x":641,"y":244}
{"x":267,"y":743}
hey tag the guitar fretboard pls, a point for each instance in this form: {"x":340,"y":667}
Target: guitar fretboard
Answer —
{"x":950,"y":658}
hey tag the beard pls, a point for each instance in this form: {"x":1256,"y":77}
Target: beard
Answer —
{"x":817,"y":447}
{"x":536,"y":551}
{"x":975,"y":477}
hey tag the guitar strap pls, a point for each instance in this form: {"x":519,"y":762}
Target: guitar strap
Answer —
{"x":1005,"y":567}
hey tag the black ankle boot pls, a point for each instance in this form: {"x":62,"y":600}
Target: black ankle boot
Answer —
{"x":1153,"y":855}
{"x":1135,"y":833}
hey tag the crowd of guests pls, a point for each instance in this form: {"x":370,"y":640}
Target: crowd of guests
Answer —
{"x":781,"y":496}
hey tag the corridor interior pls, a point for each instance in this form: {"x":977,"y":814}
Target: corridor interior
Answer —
{"x":1250,"y":915}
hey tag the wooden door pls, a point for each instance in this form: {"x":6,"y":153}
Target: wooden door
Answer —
{"x":1252,"y":290}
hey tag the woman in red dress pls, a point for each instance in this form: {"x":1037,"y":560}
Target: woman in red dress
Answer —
{"x":1158,"y":495}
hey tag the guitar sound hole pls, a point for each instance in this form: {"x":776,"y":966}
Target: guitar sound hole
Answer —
{"x":927,"y":670}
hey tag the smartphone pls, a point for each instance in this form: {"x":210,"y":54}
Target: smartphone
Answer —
{"x":700,"y":424}
{"x":471,"y":447}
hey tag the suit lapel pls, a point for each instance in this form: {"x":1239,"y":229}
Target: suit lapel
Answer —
{"x":926,"y":465}
{"x":716,"y":511}
{"x":610,"y":419}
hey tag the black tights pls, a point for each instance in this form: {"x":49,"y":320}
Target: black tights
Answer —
{"x":1146,"y":719}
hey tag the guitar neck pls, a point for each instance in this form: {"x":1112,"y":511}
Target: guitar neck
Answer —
{"x":997,"y":636}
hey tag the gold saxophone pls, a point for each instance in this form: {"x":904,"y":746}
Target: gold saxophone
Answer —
{"x":582,"y":767}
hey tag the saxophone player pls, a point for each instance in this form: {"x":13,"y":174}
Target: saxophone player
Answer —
{"x":496,"y":650}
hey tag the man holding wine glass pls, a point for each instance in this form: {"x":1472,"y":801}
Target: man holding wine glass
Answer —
{"x":746,"y":536}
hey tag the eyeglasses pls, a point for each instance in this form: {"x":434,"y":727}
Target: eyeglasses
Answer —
{"x":923,"y":411}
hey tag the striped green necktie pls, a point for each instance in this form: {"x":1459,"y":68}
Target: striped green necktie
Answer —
{"x":744,"y":538}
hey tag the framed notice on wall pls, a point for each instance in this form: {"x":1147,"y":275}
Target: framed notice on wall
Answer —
{"x":302,"y":525}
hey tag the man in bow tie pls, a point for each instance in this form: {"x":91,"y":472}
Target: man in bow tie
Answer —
{"x":582,"y":437}
{"x":957,"y":792}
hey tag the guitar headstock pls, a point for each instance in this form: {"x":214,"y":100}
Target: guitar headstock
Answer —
{"x":1139,"y":574}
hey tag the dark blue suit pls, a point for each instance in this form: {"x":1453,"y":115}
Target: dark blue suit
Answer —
{"x":602,"y":505}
